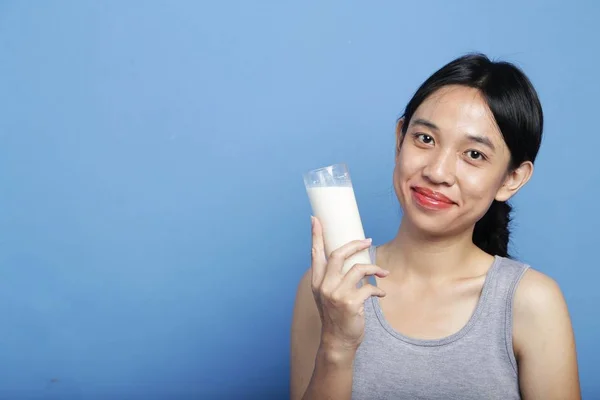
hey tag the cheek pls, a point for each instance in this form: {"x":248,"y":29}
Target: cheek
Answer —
{"x":408,"y":165}
{"x":479,"y":184}
{"x":409,"y":161}
{"x":402,"y":169}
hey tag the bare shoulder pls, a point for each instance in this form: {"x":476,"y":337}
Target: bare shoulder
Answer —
{"x":537,"y":293}
{"x":539,"y":300}
{"x":543,"y":339}
{"x":305,"y":337}
{"x":538,"y":305}
{"x":305,"y":306}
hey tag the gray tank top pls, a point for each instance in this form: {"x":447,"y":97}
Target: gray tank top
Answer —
{"x":476,"y":362}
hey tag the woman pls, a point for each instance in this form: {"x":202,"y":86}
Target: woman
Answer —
{"x":447,"y":315}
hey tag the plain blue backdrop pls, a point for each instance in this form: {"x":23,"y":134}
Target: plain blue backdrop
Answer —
{"x":154,"y":223}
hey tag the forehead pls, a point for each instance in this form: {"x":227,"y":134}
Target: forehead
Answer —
{"x":460,"y":110}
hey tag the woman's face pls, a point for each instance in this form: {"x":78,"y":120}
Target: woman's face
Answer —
{"x":452,"y":162}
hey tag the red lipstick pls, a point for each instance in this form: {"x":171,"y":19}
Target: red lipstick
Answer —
{"x":431,"y":199}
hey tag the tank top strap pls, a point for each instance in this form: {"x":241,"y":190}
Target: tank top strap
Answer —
{"x":499,"y":307}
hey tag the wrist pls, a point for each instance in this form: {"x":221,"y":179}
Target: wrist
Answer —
{"x":335,"y":353}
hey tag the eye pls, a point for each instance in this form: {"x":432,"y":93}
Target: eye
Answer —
{"x":423,"y":138}
{"x":476,"y":155}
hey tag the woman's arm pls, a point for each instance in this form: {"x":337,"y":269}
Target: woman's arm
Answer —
{"x":543,"y":340}
{"x":329,"y":323}
{"x":317,"y":372}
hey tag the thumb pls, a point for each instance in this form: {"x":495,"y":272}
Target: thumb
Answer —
{"x":319,"y":260}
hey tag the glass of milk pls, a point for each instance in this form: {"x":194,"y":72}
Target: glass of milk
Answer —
{"x":333,"y":202}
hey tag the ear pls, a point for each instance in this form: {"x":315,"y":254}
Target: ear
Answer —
{"x":399,"y":135}
{"x":514,"y":181}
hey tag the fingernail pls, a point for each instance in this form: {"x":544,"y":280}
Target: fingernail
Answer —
{"x":369,"y":240}
{"x":312,"y":220}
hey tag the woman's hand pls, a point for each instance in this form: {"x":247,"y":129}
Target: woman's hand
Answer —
{"x":339,"y":301}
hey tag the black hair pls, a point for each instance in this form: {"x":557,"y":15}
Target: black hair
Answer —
{"x":516,"y":108}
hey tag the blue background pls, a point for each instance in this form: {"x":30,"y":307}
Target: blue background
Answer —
{"x":154,"y":223}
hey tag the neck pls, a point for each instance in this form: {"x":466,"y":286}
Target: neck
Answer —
{"x":431,"y":258}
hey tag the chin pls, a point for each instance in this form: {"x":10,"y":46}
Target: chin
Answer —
{"x":431,"y":226}
{"x":431,"y":223}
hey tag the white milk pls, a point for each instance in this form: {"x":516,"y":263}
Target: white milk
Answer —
{"x":336,"y":208}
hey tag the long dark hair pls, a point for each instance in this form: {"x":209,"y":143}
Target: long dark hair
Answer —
{"x":517,"y":110}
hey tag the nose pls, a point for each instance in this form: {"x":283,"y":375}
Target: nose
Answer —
{"x":441,"y":168}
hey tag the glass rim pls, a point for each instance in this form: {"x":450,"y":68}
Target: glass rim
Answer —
{"x":334,"y":175}
{"x":331,"y":166}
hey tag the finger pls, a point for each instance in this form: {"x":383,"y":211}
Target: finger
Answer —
{"x":359,"y":271}
{"x":318,"y":259}
{"x":367,"y":291}
{"x":338,"y":256}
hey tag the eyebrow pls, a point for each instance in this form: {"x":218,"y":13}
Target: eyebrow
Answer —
{"x":482,"y":140}
{"x":472,"y":138}
{"x":425,"y":123}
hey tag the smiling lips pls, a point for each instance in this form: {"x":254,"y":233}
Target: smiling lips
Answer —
{"x":430,"y":199}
